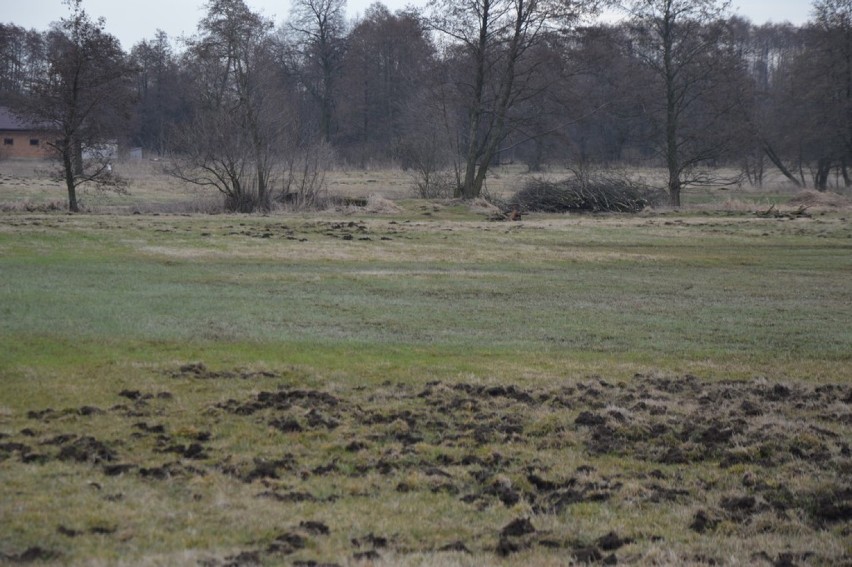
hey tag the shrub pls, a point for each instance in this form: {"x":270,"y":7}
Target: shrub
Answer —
{"x":433,"y":184}
{"x":594,"y":192}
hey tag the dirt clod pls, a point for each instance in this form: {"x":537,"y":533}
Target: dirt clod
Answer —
{"x":833,"y":508}
{"x":118,"y":469}
{"x":369,"y":555}
{"x":243,"y":559}
{"x":86,"y":450}
{"x":31,"y":555}
{"x":517,"y":527}
{"x":590,"y":419}
{"x":314,"y":527}
{"x":612,"y":541}
{"x":131,"y":394}
{"x":703,"y":522}
{"x":370,"y":540}
{"x":286,"y":544}
{"x":68,"y":532}
{"x":454,"y":547}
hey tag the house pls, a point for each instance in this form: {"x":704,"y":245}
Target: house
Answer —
{"x":21,"y":140}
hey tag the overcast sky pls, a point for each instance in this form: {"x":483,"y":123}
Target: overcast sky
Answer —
{"x":133,"y":20}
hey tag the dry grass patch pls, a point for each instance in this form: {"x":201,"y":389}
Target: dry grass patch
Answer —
{"x":821,"y":199}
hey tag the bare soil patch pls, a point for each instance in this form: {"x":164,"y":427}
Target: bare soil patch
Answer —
{"x":487,"y":447}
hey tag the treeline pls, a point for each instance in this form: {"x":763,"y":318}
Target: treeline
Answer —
{"x":258,"y":110}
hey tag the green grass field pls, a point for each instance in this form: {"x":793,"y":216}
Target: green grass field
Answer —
{"x":425,"y":388}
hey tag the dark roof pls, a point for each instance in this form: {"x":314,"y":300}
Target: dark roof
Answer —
{"x":10,"y":121}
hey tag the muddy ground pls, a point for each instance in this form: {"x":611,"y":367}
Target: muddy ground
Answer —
{"x":716,"y":459}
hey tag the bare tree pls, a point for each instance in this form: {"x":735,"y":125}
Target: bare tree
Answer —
{"x":427,"y":147}
{"x":495,"y":38}
{"x":681,"y":44}
{"x":317,"y":30}
{"x":305,"y":168}
{"x":84,"y":99}
{"x":23,"y":60}
{"x":824,"y":71}
{"x":774,"y":104}
{"x":160,"y":96}
{"x":387,"y":61}
{"x":234,"y":141}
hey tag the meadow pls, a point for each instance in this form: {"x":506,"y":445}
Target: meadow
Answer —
{"x":421,"y":385}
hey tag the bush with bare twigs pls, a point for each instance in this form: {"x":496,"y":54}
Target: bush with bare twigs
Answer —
{"x":587,"y":192}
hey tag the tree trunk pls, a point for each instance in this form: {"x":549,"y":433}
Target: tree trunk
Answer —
{"x":325,"y":119}
{"x":675,"y":188}
{"x":759,"y":168}
{"x":672,"y":150}
{"x":535,"y":162}
{"x":77,"y":146}
{"x":68,"y":166}
{"x":773,"y":157}
{"x":822,"y":174}
{"x":468,"y":190}
{"x":262,"y":187}
{"x":261,"y":169}
{"x":489,"y":148}
{"x":495,"y":132}
{"x":327,"y":102}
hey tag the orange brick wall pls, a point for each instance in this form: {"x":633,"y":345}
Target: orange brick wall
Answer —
{"x":21,"y":147}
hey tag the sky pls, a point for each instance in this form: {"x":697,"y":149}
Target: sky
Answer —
{"x":133,"y":20}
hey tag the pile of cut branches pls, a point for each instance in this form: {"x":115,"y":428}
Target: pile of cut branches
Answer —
{"x":593,"y":193}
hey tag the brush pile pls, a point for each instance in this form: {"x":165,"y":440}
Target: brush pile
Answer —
{"x":592,"y":193}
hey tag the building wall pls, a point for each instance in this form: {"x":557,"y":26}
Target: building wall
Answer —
{"x":19,"y":144}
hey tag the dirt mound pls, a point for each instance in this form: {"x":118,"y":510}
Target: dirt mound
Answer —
{"x":31,"y":555}
{"x":86,"y":450}
{"x":482,"y":206}
{"x":378,"y":205}
{"x":812,"y":198}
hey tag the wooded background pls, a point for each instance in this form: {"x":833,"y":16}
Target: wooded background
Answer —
{"x":258,"y":110}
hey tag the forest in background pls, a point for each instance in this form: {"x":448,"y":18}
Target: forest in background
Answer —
{"x":258,"y":110}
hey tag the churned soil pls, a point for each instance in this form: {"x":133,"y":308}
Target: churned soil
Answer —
{"x":485,"y":446}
